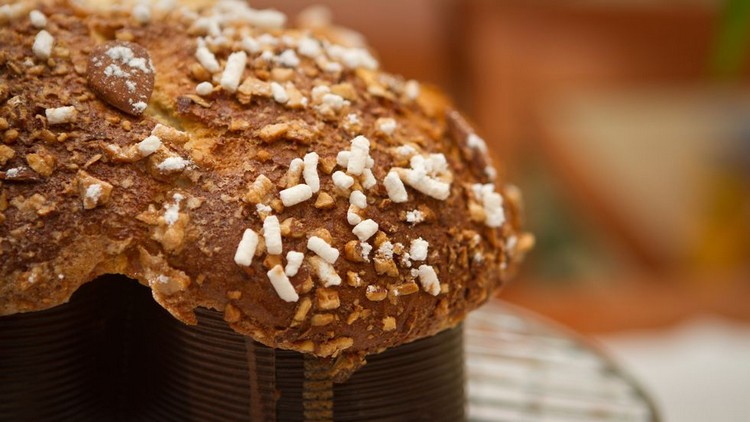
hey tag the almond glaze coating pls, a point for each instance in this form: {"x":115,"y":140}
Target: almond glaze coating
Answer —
{"x":274,"y":174}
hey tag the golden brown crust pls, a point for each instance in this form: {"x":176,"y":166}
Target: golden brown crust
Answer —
{"x":84,"y":197}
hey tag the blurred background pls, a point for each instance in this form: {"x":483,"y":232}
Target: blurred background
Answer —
{"x":626,"y":123}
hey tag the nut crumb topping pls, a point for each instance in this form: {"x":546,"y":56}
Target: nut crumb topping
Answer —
{"x":327,"y":299}
{"x":376,"y":293}
{"x":94,"y":192}
{"x":389,"y":323}
{"x":324,"y":201}
{"x":6,"y":154}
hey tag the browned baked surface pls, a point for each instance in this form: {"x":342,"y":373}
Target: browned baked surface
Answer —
{"x":78,"y":198}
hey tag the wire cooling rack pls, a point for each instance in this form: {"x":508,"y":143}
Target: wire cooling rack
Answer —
{"x":522,"y":368}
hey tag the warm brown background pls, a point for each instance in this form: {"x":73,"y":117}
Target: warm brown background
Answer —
{"x":633,"y":158}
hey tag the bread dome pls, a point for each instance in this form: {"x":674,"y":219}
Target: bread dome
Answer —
{"x":274,"y":174}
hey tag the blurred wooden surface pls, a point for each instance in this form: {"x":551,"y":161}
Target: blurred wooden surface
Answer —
{"x":647,"y":162}
{"x":522,"y":54}
{"x":526,"y":58}
{"x":603,"y":306}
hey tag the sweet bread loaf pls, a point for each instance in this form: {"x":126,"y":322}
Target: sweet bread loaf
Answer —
{"x":274,"y":174}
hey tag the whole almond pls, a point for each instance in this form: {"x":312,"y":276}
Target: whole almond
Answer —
{"x":121,"y":73}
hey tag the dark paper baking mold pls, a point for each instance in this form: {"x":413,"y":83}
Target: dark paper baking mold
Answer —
{"x":111,"y":353}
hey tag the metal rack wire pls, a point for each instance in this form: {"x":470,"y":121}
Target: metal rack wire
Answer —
{"x":522,"y":368}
